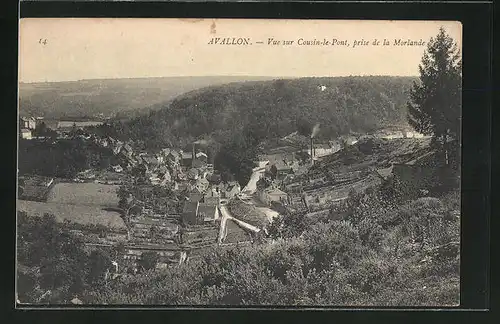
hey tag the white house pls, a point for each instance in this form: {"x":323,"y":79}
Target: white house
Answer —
{"x":26,"y":133}
{"x":28,"y":123}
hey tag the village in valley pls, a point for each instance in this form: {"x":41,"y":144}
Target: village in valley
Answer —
{"x":271,"y":182}
{"x":169,"y":205}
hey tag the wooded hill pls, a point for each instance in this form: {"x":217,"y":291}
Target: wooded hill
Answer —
{"x":126,"y":97}
{"x":271,"y":109}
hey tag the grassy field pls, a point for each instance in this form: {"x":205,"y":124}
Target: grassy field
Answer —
{"x":76,"y":213}
{"x":235,"y":233}
{"x":88,"y":194}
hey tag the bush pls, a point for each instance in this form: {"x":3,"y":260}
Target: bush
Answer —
{"x":52,"y":259}
{"x":149,"y":260}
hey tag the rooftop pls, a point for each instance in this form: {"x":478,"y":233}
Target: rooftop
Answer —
{"x":150,"y":159}
{"x":195,"y":196}
{"x":207,"y":210}
{"x":190,"y":207}
{"x":275,"y":191}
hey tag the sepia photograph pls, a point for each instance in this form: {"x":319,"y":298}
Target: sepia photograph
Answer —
{"x":238,"y":163}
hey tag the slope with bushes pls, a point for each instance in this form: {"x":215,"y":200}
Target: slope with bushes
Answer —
{"x":380,"y":255}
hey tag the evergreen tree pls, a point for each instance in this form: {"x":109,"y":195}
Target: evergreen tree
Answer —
{"x":435,"y":102}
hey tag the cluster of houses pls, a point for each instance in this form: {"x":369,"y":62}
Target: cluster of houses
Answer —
{"x":196,"y":226}
{"x":321,"y":188}
{"x":202,"y":205}
{"x":28,"y":124}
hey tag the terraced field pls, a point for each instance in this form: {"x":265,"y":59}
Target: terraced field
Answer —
{"x":83,"y":203}
{"x":86,"y":215}
{"x":88,"y":194}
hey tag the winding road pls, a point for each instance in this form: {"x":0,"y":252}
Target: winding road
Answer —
{"x":246,"y":196}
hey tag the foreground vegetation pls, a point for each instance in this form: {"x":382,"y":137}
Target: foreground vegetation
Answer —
{"x":394,"y":257}
{"x":379,"y":254}
{"x":52,"y":264}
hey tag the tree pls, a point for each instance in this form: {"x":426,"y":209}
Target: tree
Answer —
{"x":40,"y":129}
{"x":149,"y":260}
{"x":435,"y":102}
{"x":98,"y":262}
{"x":273,"y":171}
{"x":53,"y":262}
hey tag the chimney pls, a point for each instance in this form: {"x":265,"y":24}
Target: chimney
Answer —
{"x":312,"y":151}
{"x":193,"y":155}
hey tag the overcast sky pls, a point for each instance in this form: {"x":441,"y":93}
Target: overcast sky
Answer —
{"x":92,"y":48}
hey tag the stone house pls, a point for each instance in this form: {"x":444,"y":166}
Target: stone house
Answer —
{"x":196,"y":213}
{"x":232,"y":189}
{"x":27,"y":123}
{"x":271,"y":194}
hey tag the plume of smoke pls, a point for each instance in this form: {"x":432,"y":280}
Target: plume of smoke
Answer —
{"x":315,"y":130}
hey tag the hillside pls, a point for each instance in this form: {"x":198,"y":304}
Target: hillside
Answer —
{"x":125,"y":97}
{"x":271,"y":109}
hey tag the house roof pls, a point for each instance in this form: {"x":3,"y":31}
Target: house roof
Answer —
{"x":195,"y":196}
{"x":174,"y":153}
{"x":190,"y":207}
{"x":192,"y":173}
{"x":187,"y":155}
{"x":163,"y":169}
{"x":195,"y":190}
{"x":202,"y":180}
{"x":150,"y":159}
{"x":282,"y":165}
{"x":215,"y":178}
{"x":76,"y":301}
{"x":207,"y":210}
{"x":322,"y":146}
{"x":183,"y":185}
{"x":232,"y":185}
{"x":25,"y":130}
{"x":197,"y":163}
{"x":275,"y":192}
{"x":384,"y":173}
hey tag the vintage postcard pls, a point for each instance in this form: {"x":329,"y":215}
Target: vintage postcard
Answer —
{"x":238,"y":162}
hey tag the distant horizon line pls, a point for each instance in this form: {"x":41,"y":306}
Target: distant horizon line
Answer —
{"x":222,"y":76}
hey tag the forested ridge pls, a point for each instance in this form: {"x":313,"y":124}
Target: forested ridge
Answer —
{"x":121,"y":98}
{"x":269,"y":109}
